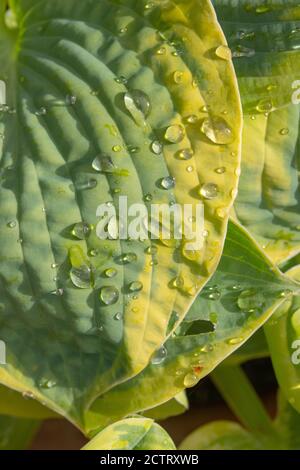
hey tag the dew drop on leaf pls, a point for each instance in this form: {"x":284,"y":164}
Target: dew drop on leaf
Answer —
{"x":110,"y":272}
{"x":109,"y":295}
{"x":174,"y":134}
{"x":103,"y":164}
{"x":217,"y":130}
{"x":223,"y":52}
{"x":129,"y":258}
{"x":137,"y":100}
{"x":82,"y":277}
{"x":209,"y":191}
{"x":190,"y":380}
{"x":159,"y":356}
{"x":156,"y":147}
{"x":81,"y":230}
{"x":135,"y":286}
{"x":167,"y":183}
{"x":264,"y":106}
{"x":186,"y":154}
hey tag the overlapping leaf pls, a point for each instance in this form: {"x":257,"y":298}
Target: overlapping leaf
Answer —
{"x":67,"y":66}
{"x":265,"y":40}
{"x":228,"y":311}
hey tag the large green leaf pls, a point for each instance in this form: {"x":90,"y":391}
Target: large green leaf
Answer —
{"x":132,"y":434}
{"x":283,"y":335}
{"x":231,"y":308}
{"x":265,"y":39}
{"x":16,"y":433}
{"x":67,"y":66}
{"x":227,"y":435}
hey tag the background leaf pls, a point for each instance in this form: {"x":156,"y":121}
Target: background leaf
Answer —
{"x":132,"y":434}
{"x":16,"y":433}
{"x":264,"y":39}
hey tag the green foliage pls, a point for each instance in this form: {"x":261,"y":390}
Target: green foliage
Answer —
{"x":141,"y":99}
{"x":132,"y":434}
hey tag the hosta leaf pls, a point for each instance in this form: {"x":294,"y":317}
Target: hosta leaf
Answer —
{"x":214,"y":328}
{"x":16,"y":433}
{"x":283,"y":335}
{"x":67,"y":68}
{"x":176,"y":406}
{"x":226,"y":435}
{"x":264,"y":38}
{"x":132,"y":434}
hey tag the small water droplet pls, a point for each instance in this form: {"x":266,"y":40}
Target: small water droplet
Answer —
{"x":93,"y":252}
{"x":81,"y":230}
{"x":178,"y":282}
{"x":148,"y":197}
{"x":234,"y":341}
{"x":161,"y":50}
{"x":54,"y":265}
{"x":47,"y":384}
{"x":159,"y":356}
{"x":174,"y":134}
{"x":265,"y":106}
{"x":192,"y":119}
{"x":178,"y":77}
{"x":241,"y":51}
{"x":71,"y":100}
{"x":223,"y":52}
{"x":103,"y":163}
{"x":135,"y":286}
{"x":156,"y":147}
{"x":109,"y":295}
{"x":209,"y":191}
{"x":186,"y":154}
{"x":12,"y":224}
{"x":250,"y":299}
{"x":215,"y":295}
{"x":285,"y":293}
{"x":284,"y":131}
{"x":151,"y":250}
{"x":217,"y":131}
{"x":118,"y":316}
{"x":41,"y":112}
{"x":221,"y":170}
{"x":167,"y":183}
{"x":129,"y":258}
{"x":110,"y":272}
{"x":121,"y":80}
{"x":190,"y":380}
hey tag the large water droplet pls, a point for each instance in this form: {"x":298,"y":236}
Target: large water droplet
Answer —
{"x":136,"y":102}
{"x":217,"y":130}
{"x":135,"y":286}
{"x":250,"y":299}
{"x":103,"y":163}
{"x":209,"y":191}
{"x":81,"y":230}
{"x":156,"y":147}
{"x":174,"y":134}
{"x":82,"y":277}
{"x":223,"y":52}
{"x":190,"y":380}
{"x":109,"y":295}
{"x":159,"y":356}
{"x":168,"y":182}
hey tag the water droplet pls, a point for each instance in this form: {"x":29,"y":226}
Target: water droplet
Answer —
{"x":221,"y":170}
{"x":215,"y":295}
{"x":265,"y":106}
{"x":241,"y":51}
{"x":148,"y":197}
{"x":174,"y":134}
{"x":71,"y":100}
{"x":28,"y":395}
{"x":285,"y":293}
{"x":118,"y":316}
{"x":137,"y":100}
{"x":59,"y":292}
{"x":178,"y":282}
{"x":129,"y":258}
{"x":186,"y":154}
{"x":190,"y":380}
{"x":156,"y":147}
{"x":263,"y":9}
{"x":223,"y":52}
{"x":192,"y":119}
{"x":209,"y":191}
{"x":121,"y":80}
{"x":93,"y":252}
{"x":103,"y":164}
{"x":82,"y":277}
{"x":12,"y":224}
{"x":234,"y":341}
{"x":221,"y":212}
{"x":109,"y":295}
{"x":47,"y":384}
{"x":190,"y":169}
{"x":167,"y":183}
{"x":161,"y":50}
{"x":284,"y":131}
{"x":135,"y":286}
{"x":41,"y":112}
{"x":110,"y":272}
{"x":159,"y":356}
{"x":217,"y":131}
{"x":81,"y":230}
{"x":178,"y":77}
{"x":54,"y":265}
{"x":151,"y":250}
{"x":250,"y":299}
